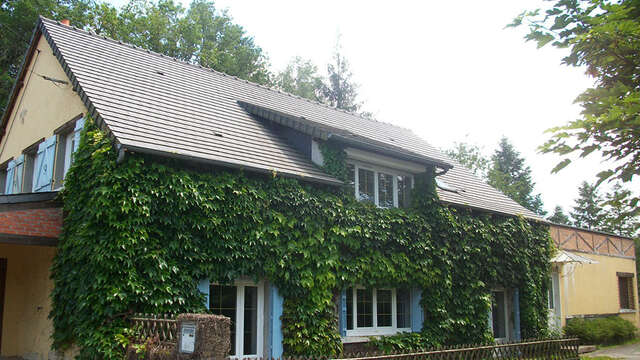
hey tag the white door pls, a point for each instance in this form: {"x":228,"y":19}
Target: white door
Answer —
{"x":243,"y":303}
{"x":555,"y":320}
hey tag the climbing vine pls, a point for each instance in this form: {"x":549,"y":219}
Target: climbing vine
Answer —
{"x":139,"y":234}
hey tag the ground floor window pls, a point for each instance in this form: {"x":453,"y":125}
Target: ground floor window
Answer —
{"x":243,"y":303}
{"x":499,"y":314}
{"x":625,"y":291}
{"x":377,"y":311}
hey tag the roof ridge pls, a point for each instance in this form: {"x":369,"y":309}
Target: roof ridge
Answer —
{"x":120,"y":42}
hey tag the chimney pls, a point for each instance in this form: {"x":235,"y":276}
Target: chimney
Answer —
{"x":65,"y":22}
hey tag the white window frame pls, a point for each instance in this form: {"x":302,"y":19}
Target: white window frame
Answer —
{"x":375,"y":329}
{"x":68,"y":152}
{"x":376,"y":170}
{"x":506,"y":315}
{"x":240,"y":288}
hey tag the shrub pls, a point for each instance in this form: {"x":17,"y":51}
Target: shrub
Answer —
{"x":609,"y":330}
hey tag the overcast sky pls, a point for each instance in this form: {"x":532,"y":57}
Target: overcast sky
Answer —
{"x":448,"y":70}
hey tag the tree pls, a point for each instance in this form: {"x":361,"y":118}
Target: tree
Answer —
{"x":619,"y":217}
{"x":339,"y":90}
{"x":509,"y":174}
{"x":588,"y":212}
{"x":604,"y":37}
{"x":301,"y":78}
{"x":17,"y":18}
{"x":471,"y":157}
{"x":559,"y":217}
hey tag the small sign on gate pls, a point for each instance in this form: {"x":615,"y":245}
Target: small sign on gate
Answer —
{"x":188,"y":337}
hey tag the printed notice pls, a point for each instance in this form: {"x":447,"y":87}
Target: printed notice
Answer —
{"x":188,"y":337}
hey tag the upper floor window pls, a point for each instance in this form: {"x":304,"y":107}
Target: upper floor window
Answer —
{"x":383,"y":187}
{"x":43,"y":165}
{"x":377,"y":311}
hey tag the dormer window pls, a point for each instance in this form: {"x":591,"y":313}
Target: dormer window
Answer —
{"x":383,"y":187}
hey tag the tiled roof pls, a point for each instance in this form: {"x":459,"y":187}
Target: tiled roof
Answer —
{"x":153,"y":103}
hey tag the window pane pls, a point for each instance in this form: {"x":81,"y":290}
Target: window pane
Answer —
{"x":222,"y":301}
{"x":498,"y":314}
{"x":625,"y":290}
{"x":364,"y":300}
{"x":403,"y":308}
{"x":385,"y":190}
{"x":365,"y":185}
{"x":351,"y":179}
{"x":383,"y":307}
{"x":349,"y":308}
{"x":250,"y":320}
{"x":404,"y":190}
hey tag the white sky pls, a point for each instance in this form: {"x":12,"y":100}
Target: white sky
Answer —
{"x":448,"y":70}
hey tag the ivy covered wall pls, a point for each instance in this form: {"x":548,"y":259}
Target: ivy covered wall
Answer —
{"x":139,"y":235}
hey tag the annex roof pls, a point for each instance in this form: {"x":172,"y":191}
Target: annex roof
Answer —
{"x":157,"y":104}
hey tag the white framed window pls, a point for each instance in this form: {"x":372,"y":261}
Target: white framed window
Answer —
{"x":383,"y":187}
{"x":243,"y":303}
{"x":383,"y":311}
{"x":69,"y":144}
{"x":499,"y":315}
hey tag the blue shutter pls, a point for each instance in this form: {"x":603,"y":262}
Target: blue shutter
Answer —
{"x":343,"y":313}
{"x":76,"y":133}
{"x":516,"y":315}
{"x":417,"y":315}
{"x":44,"y":165}
{"x":11,"y":171}
{"x":277,"y":303}
{"x":203,"y":286}
{"x":17,"y":178}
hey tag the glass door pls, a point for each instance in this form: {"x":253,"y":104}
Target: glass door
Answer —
{"x":243,"y":303}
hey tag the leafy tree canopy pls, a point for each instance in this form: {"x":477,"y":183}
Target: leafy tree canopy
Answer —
{"x":620,"y":218}
{"x":301,"y":78}
{"x":471,"y":157}
{"x":339,"y":90}
{"x":559,"y":217}
{"x":509,"y":174}
{"x":604,"y":37}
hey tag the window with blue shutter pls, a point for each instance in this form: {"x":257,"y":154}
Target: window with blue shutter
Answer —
{"x":11,"y":170}
{"x":43,"y":171}
{"x":17,"y":177}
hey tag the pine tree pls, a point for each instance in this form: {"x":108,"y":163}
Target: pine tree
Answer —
{"x":509,"y":174}
{"x":619,"y":216}
{"x":559,"y":217}
{"x":588,"y":212}
{"x":340,"y":91}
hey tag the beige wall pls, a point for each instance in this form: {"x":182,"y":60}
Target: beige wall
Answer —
{"x":41,"y":106}
{"x":26,"y":331}
{"x":590,"y":289}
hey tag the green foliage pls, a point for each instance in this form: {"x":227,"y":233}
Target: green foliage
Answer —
{"x":140,"y":234}
{"x":340,"y":91}
{"x":609,"y":330}
{"x":588,"y":212}
{"x":559,"y":217}
{"x":402,"y":342}
{"x":301,"y":78}
{"x":620,"y":217}
{"x":509,"y":174}
{"x":471,"y":157}
{"x":604,"y":37}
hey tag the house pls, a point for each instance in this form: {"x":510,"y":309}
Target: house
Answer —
{"x":154,"y":107}
{"x":593,"y":275}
